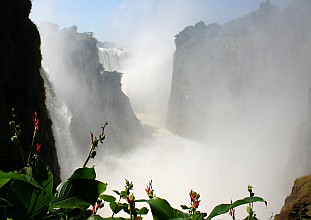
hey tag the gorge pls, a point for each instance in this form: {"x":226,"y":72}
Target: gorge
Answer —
{"x":250,"y":75}
{"x":238,"y":108}
{"x":91,"y":94}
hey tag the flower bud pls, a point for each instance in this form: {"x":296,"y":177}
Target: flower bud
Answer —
{"x":15,"y":141}
{"x":93,"y":154}
{"x":12,"y":124}
{"x":95,"y":143}
{"x":102,"y":137}
{"x":18,"y":133}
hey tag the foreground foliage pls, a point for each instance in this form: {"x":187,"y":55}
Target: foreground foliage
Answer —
{"x":28,"y":194}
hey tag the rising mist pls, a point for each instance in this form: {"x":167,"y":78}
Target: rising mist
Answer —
{"x":236,"y":94}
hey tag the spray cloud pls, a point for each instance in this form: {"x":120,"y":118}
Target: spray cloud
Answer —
{"x":249,"y":131}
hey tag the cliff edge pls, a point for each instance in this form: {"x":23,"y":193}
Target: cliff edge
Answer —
{"x":298,"y":203}
{"x":22,"y":87}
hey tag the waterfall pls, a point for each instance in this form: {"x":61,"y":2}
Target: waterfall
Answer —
{"x":61,"y":118}
{"x":111,"y":58}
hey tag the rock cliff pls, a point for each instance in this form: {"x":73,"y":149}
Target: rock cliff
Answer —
{"x":245,"y":62}
{"x":252,"y":72}
{"x":297,"y":204}
{"x":92,"y":94}
{"x":22,"y":87}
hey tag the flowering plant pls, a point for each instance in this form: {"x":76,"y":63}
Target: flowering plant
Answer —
{"x":29,"y":192}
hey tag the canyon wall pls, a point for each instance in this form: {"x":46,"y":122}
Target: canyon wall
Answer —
{"x":22,"y":87}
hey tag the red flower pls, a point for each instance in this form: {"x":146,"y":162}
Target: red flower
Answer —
{"x":38,"y":148}
{"x":196,"y":204}
{"x":193,"y":195}
{"x":130,"y":201}
{"x":149,"y":190}
{"x":232,"y":213}
{"x":35,"y":121}
{"x":97,"y":206}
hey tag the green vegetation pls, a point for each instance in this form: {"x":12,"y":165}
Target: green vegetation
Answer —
{"x":28,"y":194}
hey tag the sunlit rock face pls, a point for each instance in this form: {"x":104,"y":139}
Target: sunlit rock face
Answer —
{"x":297,"y":204}
{"x":235,"y":72}
{"x":92,"y":94}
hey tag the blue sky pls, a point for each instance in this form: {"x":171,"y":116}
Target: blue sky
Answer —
{"x":116,"y":20}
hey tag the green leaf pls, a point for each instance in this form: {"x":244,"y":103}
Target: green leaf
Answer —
{"x":37,"y":169}
{"x":143,"y":211}
{"x":87,"y":190}
{"x":162,"y":210}
{"x":224,"y":208}
{"x":198,"y":216}
{"x":54,"y":215}
{"x":84,"y":173}
{"x":116,"y":207}
{"x":219,"y":210}
{"x":247,"y":200}
{"x":126,"y":208}
{"x":5,"y":177}
{"x":184,"y":207}
{"x":97,"y":217}
{"x":70,"y":203}
{"x":124,"y":194}
{"x":117,"y":192}
{"x":107,"y":198}
{"x":4,"y":203}
{"x":29,"y":200}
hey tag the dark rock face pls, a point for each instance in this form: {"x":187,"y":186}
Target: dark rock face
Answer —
{"x":92,"y":95}
{"x":22,"y":87}
{"x":245,"y":62}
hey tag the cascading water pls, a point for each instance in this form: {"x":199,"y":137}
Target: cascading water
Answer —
{"x":249,"y":130}
{"x":111,"y":58}
{"x":61,"y":118}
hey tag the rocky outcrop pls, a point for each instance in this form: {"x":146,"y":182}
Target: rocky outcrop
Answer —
{"x":249,"y":79}
{"x":22,"y":87}
{"x":227,"y":72}
{"x":92,"y":94}
{"x":298,"y":203}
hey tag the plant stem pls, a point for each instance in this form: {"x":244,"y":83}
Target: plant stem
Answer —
{"x":30,"y":151}
{"x":22,"y":154}
{"x":88,"y":156}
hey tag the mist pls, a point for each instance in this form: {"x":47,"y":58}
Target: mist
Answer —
{"x":241,"y":120}
{"x":150,"y":45}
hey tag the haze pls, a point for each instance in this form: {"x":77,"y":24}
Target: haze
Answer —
{"x":248,"y":140}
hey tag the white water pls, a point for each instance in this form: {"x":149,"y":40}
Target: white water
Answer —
{"x":241,"y":151}
{"x":111,"y":58}
{"x":176,"y":165}
{"x":219,"y":171}
{"x":61,"y":118}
